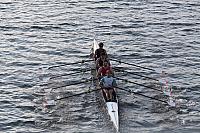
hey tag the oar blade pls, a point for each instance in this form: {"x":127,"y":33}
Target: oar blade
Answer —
{"x":167,"y":92}
{"x":171,"y":102}
{"x":49,"y":103}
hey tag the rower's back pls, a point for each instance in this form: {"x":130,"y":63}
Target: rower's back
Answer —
{"x":99,"y":51}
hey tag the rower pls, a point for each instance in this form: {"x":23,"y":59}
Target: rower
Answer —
{"x":101,"y":60}
{"x":102,"y":70}
{"x":108,"y":83}
{"x":99,"y":51}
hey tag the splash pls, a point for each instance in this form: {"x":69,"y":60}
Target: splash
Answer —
{"x":167,"y":89}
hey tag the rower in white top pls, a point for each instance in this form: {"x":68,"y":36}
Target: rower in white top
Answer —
{"x":108,"y":83}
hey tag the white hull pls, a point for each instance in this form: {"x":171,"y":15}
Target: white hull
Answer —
{"x":112,"y":107}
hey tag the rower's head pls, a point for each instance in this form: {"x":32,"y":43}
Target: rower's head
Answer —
{"x":105,"y":63}
{"x":100,"y":45}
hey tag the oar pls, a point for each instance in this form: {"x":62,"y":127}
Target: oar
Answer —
{"x":130,"y":91}
{"x":135,"y":74}
{"x":75,"y":83}
{"x":50,"y":102}
{"x":138,"y":84}
{"x":132,"y":64}
{"x":67,"y":74}
{"x":171,"y":103}
{"x":86,"y":92}
{"x":161,"y":82}
{"x":82,"y":61}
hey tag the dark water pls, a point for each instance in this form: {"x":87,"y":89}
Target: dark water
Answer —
{"x":162,"y":35}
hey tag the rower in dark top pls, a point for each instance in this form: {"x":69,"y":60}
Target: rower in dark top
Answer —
{"x":100,"y":61}
{"x":99,"y":51}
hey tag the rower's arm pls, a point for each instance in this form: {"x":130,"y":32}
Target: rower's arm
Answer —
{"x":97,"y":63}
{"x":114,"y":83}
{"x":101,"y":83}
{"x":113,"y":74}
{"x":95,"y":54}
{"x":99,"y":72}
{"x":106,"y":53}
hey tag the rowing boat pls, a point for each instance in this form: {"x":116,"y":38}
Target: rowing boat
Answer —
{"x":111,"y":106}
